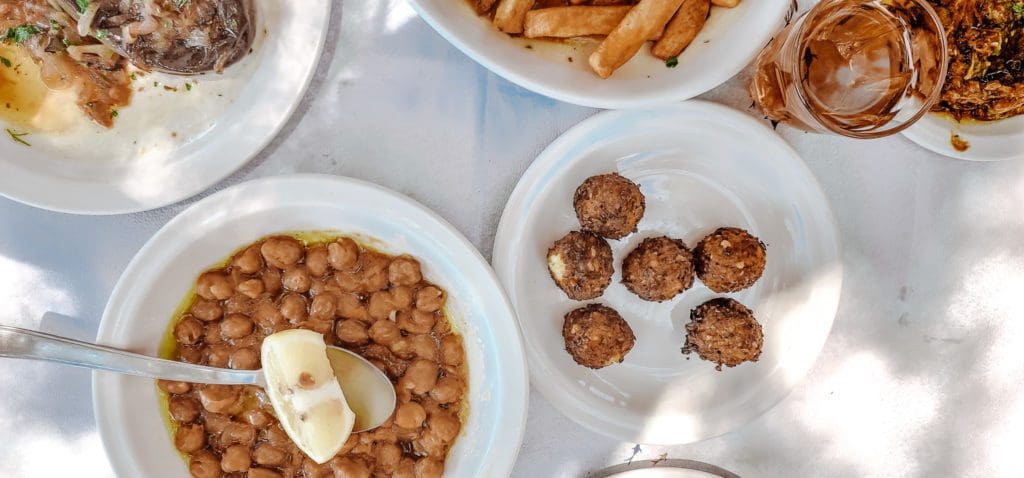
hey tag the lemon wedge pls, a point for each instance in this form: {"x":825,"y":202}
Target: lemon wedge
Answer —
{"x":305,"y":393}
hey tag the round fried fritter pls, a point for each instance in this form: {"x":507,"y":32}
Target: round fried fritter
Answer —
{"x":658,"y":269}
{"x":729,"y":259}
{"x":596,"y":336}
{"x":725,"y":332}
{"x":609,"y":205}
{"x":581,"y":265}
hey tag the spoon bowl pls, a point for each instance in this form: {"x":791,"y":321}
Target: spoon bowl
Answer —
{"x":367,"y":389}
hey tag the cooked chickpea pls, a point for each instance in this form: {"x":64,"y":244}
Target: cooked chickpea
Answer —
{"x":424,"y":346}
{"x":322,"y":306}
{"x":217,"y":355}
{"x":258,"y":418}
{"x":296,"y":279}
{"x":293,"y":308}
{"x":451,"y":350}
{"x":429,"y":468}
{"x":251,"y":288}
{"x":343,"y":254}
{"x":189,"y":330}
{"x":271,"y":278}
{"x":429,"y":299}
{"x":402,"y":348}
{"x":323,"y":327}
{"x":215,"y":423}
{"x":191,"y":354}
{"x":388,"y":456}
{"x":345,"y":467}
{"x":214,"y":286}
{"x":248,"y":261}
{"x":262,"y":473}
{"x":445,"y":425}
{"x":269,"y":455}
{"x":206,"y":310}
{"x":385,"y":332}
{"x":429,"y":443}
{"x":406,"y":469}
{"x":416,"y":321}
{"x":316,"y":261}
{"x":237,"y":433}
{"x":404,"y":271}
{"x":189,"y":438}
{"x":235,"y":326}
{"x":239,"y":304}
{"x":282,"y":252}
{"x":219,"y":398}
{"x":245,"y":358}
{"x":349,"y":306}
{"x":183,"y":409}
{"x":410,"y":415}
{"x":204,"y":464}
{"x":420,"y":377}
{"x":374,"y":272}
{"x":235,"y":459}
{"x":276,"y":436}
{"x":448,"y":390}
{"x":351,"y":332}
{"x":267,"y":315}
{"x":212,"y":335}
{"x":381,"y":305}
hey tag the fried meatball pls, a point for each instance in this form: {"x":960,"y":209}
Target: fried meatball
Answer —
{"x":725,"y":332}
{"x":581,"y":265}
{"x":596,"y":336}
{"x":609,"y":205}
{"x":658,"y":269}
{"x":729,"y":259}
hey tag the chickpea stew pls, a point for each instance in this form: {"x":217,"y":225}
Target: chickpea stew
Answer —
{"x":376,"y":305}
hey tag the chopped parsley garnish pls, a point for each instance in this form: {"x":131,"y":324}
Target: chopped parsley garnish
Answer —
{"x":181,"y":3}
{"x":672,"y":62}
{"x":17,"y":137}
{"x":20,"y":34}
{"x":82,"y":5}
{"x":113,"y":113}
{"x":1018,"y":8}
{"x":102,"y":33}
{"x":188,"y":86}
{"x":156,"y":84}
{"x":133,"y":77}
{"x":5,"y":62}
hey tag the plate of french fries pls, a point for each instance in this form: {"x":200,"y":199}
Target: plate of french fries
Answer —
{"x":609,"y":53}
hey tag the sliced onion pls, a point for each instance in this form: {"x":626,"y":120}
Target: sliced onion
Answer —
{"x":126,"y":35}
{"x":85,"y":21}
{"x":78,"y":52}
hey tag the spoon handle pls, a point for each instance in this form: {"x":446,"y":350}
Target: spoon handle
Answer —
{"x":29,"y":344}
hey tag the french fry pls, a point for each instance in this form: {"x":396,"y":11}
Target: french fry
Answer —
{"x":682,"y":29}
{"x":511,"y":14}
{"x":641,"y":23}
{"x":567,"y":22}
{"x":725,"y":3}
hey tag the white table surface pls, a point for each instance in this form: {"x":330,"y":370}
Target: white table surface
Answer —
{"x":923,"y":375}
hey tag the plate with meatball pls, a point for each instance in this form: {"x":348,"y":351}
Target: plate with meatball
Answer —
{"x":675,"y":271}
{"x":404,"y":290}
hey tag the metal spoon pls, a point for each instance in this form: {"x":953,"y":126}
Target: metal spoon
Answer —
{"x":368,"y":391}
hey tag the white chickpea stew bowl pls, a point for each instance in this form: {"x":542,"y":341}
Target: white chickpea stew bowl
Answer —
{"x":403,"y":290}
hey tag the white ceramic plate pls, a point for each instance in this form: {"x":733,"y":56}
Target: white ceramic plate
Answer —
{"x":730,"y":39}
{"x":169,"y":145}
{"x":700,"y":166}
{"x":987,"y":141}
{"x":127,"y":411}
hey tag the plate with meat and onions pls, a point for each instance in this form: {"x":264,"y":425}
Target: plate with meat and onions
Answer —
{"x":116,"y":106}
{"x":609,"y":53}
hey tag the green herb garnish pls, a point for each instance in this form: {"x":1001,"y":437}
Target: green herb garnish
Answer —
{"x":133,"y":77}
{"x":156,"y":84}
{"x":17,"y":137}
{"x":20,"y":34}
{"x":1018,"y":8}
{"x":181,"y":3}
{"x":5,"y":62}
{"x":102,"y":33}
{"x":672,"y":62}
{"x":188,"y":86}
{"x":113,"y":113}
{"x":82,"y":5}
